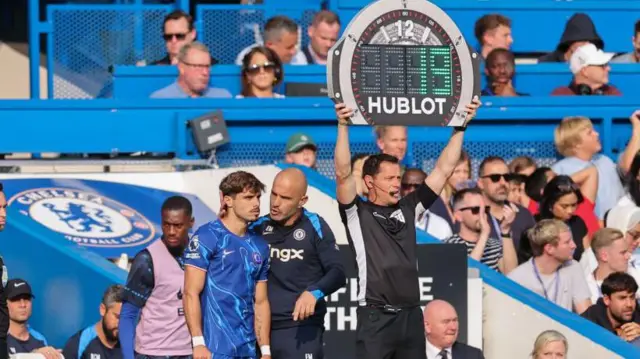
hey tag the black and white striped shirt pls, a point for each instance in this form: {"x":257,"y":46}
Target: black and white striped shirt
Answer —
{"x":492,"y":250}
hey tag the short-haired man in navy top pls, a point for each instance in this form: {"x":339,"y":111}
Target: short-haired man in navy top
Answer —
{"x":99,"y":340}
{"x":305,"y":267}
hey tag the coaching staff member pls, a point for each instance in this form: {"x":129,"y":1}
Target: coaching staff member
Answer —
{"x":305,"y":267}
{"x":382,"y":235}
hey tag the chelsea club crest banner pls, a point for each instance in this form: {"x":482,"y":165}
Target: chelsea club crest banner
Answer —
{"x":106,"y":217}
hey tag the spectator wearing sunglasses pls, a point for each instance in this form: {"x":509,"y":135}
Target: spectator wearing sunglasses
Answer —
{"x":194,"y":69}
{"x":178,"y":31}
{"x":471,"y":212}
{"x":494,"y":177}
{"x":261,"y":72}
{"x":431,"y":220}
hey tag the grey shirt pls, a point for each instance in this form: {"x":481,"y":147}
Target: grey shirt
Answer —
{"x":624,"y":59}
{"x":569,"y":281}
{"x":175,"y":91}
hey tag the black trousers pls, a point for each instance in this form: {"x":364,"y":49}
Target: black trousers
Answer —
{"x":302,"y":342}
{"x":384,"y":335}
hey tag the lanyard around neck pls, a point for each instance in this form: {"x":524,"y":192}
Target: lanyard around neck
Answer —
{"x":544,"y":289}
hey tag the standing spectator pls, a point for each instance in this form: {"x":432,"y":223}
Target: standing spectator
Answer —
{"x":617,"y":311}
{"x":612,"y":255}
{"x":441,"y":328}
{"x":101,"y":339}
{"x":631,"y":152}
{"x":194,"y":69}
{"x":577,"y":140}
{"x":301,"y":150}
{"x":500,"y":69}
{"x":392,"y":140}
{"x":154,"y":291}
{"x":590,"y":68}
{"x":431,"y":220}
{"x":493,"y":180}
{"x":470,"y":212}
{"x":280,"y":35}
{"x":579,"y":30}
{"x":22,"y":338}
{"x":493,"y":31}
{"x":634,"y":56}
{"x":552,"y":272}
{"x":261,"y":72}
{"x":4,"y":311}
{"x":323,"y":33}
{"x":225,"y":279}
{"x":178,"y":31}
{"x":560,"y":199}
{"x":550,"y":344}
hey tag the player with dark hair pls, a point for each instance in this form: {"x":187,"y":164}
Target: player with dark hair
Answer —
{"x":154,"y":291}
{"x":382,"y":235}
{"x":4,"y":311}
{"x":225,"y":284}
{"x":100,"y":339}
{"x":305,"y":267}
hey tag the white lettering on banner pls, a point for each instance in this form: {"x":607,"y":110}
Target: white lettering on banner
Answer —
{"x":287,"y":254}
{"x":342,"y":308}
{"x":405,"y":106}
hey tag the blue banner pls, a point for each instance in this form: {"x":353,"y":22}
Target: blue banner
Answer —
{"x":106,"y":217}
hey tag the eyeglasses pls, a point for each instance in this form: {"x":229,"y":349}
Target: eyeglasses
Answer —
{"x":495,"y":178}
{"x":407,"y":186}
{"x":178,"y":36}
{"x":475,"y":209}
{"x":255,"y":68}
{"x":198,"y":66}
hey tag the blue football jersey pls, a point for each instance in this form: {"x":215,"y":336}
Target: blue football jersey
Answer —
{"x":234,"y":265}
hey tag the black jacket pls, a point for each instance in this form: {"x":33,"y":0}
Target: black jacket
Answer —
{"x":597,"y":313}
{"x":579,"y":27}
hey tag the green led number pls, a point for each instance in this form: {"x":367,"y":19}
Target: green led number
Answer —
{"x":440,"y":70}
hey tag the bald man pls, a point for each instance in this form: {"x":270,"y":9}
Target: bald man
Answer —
{"x":305,"y":267}
{"x":441,"y":328}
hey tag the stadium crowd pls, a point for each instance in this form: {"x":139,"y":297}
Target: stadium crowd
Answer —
{"x":566,"y":232}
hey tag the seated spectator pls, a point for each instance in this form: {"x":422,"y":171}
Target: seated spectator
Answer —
{"x":577,"y":140}
{"x":590,"y":68}
{"x":392,"y":140}
{"x":520,"y":168}
{"x":493,"y":180}
{"x":612,"y":254}
{"x":441,"y":329}
{"x":357,"y":162}
{"x":560,"y":199}
{"x":281,"y":36}
{"x":617,"y":311}
{"x":99,"y":340}
{"x":552,"y":272}
{"x":470,"y":212}
{"x":21,"y":337}
{"x":261,"y":72}
{"x":323,"y":32}
{"x":461,"y":174}
{"x":579,"y":30}
{"x":301,"y":150}
{"x":194,"y":68}
{"x":634,"y":56}
{"x":178,"y":31}
{"x":493,"y":31}
{"x":428,"y":220}
{"x":550,"y":344}
{"x":500,"y":69}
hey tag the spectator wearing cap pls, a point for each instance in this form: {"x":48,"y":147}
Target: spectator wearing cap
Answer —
{"x":493,"y":31}
{"x":301,"y":150}
{"x":579,"y":30}
{"x":500,"y":69}
{"x":22,"y":338}
{"x":4,"y":311}
{"x":590,"y":68}
{"x":281,"y":34}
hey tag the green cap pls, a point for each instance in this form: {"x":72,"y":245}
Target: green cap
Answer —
{"x":299,"y":141}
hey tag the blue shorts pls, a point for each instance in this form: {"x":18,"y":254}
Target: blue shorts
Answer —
{"x":304,"y":342}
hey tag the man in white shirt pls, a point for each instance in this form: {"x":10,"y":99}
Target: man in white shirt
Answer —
{"x":612,"y":253}
{"x":281,"y":34}
{"x":441,"y":328}
{"x":552,"y":272}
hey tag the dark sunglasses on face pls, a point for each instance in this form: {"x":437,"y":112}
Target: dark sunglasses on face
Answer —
{"x":475,"y":209}
{"x":495,"y":178}
{"x":168,"y":37}
{"x":255,"y":68}
{"x":410,"y":185}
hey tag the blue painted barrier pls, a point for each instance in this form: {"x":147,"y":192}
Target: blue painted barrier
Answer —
{"x":259,"y":128}
{"x":537,"y":80}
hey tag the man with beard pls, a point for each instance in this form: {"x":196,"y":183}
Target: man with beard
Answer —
{"x":305,"y":267}
{"x":4,"y":311}
{"x":500,"y":69}
{"x":154,"y":291}
{"x":101,"y":339}
{"x":617,"y":310}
